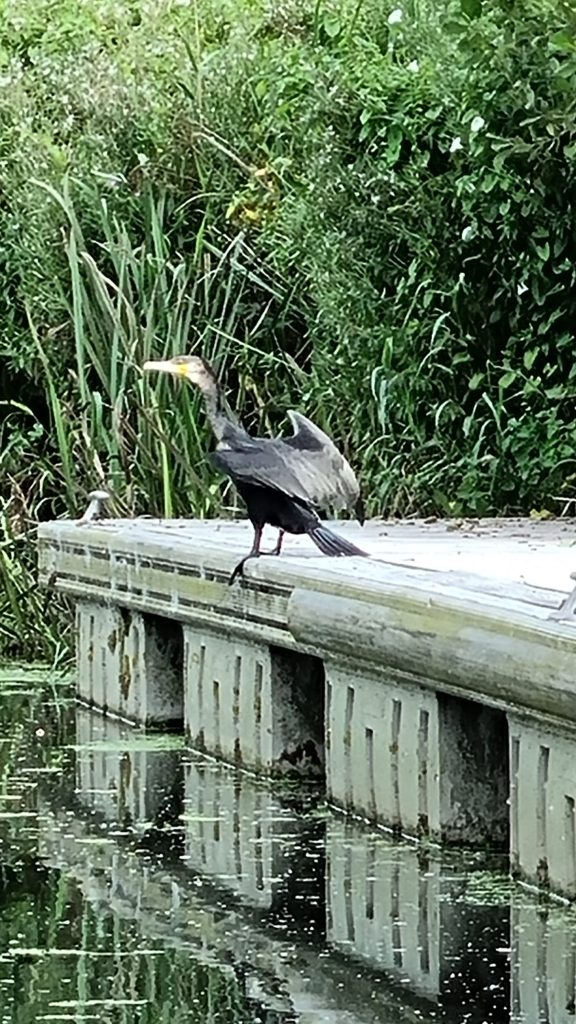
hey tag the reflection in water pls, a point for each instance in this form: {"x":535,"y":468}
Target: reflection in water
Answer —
{"x":265,"y":848}
{"x":405,"y":912}
{"x":543,"y":962}
{"x":142,"y":884}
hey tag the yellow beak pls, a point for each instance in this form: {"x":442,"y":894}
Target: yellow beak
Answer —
{"x":166,"y":366}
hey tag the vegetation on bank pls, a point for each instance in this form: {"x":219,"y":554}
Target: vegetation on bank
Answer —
{"x":363,"y":210}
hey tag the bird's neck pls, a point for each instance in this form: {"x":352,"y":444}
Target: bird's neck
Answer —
{"x":220,"y":416}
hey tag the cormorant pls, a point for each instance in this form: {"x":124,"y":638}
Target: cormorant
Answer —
{"x":282,"y":481}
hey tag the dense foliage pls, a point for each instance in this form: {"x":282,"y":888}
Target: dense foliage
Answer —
{"x":362,"y":209}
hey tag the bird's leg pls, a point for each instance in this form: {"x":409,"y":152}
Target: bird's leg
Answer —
{"x":253,"y":553}
{"x":278,"y":548}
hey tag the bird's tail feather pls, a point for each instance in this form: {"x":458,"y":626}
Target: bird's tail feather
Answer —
{"x":331,"y":544}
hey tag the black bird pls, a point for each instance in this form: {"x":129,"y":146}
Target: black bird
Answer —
{"x":282,"y":481}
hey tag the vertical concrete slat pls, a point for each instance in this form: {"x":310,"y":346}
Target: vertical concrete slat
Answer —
{"x":543,"y":804}
{"x":129,"y":664}
{"x":251,"y":704}
{"x":378,"y":763}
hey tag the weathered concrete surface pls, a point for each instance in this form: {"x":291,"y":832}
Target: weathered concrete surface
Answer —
{"x":474,"y":773}
{"x":499,"y":656}
{"x":453,"y":629}
{"x":252,"y":704}
{"x":383,"y":753}
{"x":543,"y":802}
{"x":129,"y":663}
{"x":421,"y":764}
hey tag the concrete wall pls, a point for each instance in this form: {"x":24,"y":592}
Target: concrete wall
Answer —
{"x":252,"y":704}
{"x":129,"y":663}
{"x":542,"y":805}
{"x":424,"y":763}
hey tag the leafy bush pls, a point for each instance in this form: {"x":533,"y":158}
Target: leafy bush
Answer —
{"x":428,"y":175}
{"x":362,"y":210}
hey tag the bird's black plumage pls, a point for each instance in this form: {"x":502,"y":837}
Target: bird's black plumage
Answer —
{"x":282,"y":481}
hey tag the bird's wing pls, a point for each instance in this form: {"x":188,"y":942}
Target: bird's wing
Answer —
{"x":306,"y":434}
{"x":263,"y":465}
{"x":342,"y":487}
{"x":307,"y":466}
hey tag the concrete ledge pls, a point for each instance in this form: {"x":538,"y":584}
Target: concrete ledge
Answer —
{"x":516,"y":660}
{"x":487,"y":636}
{"x":434,"y":665}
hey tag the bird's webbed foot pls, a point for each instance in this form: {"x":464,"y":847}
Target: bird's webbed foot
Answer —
{"x":238,"y":571}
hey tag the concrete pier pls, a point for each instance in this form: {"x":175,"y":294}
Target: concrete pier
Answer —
{"x":429,"y":681}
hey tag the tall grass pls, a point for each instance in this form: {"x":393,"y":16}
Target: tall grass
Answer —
{"x":132,"y":294}
{"x":32,"y":623}
{"x":133,"y":299}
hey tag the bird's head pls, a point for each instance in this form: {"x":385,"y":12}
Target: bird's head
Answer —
{"x":192,"y":368}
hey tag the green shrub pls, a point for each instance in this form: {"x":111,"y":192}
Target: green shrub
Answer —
{"x":429,"y":183}
{"x":362,"y":210}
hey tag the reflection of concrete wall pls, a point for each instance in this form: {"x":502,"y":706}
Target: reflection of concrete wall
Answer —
{"x":411,"y":916}
{"x":113,"y":776}
{"x":385,"y":924}
{"x":383,"y":906}
{"x":543,"y":805}
{"x":240,"y":834}
{"x":543,"y":963}
{"x":287,"y":978}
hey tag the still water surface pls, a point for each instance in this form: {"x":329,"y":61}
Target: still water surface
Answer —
{"x":141,"y":885}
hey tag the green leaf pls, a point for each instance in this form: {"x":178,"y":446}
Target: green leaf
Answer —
{"x":471,"y":8}
{"x":530,"y":358}
{"x":562,"y":40}
{"x":507,"y":379}
{"x":394,"y":139}
{"x":556,"y":392}
{"x":332,"y":26}
{"x":488,"y":181}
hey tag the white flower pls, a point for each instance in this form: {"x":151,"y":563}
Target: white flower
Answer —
{"x":395,"y":16}
{"x":467,"y":233}
{"x":456,"y":144}
{"x":521,"y":288}
{"x":477,"y":123}
{"x":414,"y":67}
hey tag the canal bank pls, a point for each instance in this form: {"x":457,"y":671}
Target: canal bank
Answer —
{"x":432,"y":683}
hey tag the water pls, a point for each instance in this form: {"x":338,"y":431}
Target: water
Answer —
{"x":140,"y":884}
